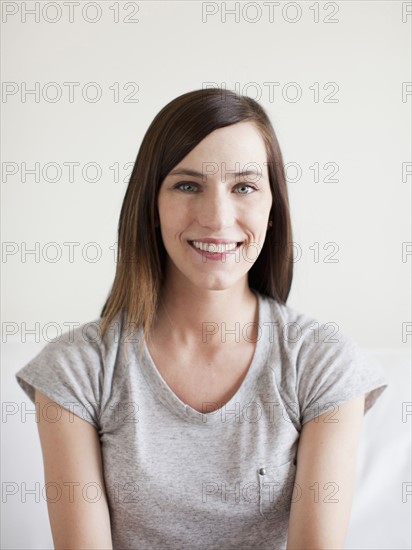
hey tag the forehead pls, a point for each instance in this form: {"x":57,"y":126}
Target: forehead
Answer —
{"x":239,"y":143}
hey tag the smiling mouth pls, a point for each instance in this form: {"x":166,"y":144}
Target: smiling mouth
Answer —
{"x":215,"y":248}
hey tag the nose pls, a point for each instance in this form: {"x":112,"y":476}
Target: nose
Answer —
{"x":216,"y":209}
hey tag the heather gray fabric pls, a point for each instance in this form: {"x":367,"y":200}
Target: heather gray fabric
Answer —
{"x":180,"y":479}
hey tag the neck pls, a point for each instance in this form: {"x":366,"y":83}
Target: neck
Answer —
{"x":191,"y":316}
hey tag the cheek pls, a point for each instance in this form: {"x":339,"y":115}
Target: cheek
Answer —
{"x":257,"y":220}
{"x":164,"y":209}
{"x":172,"y":222}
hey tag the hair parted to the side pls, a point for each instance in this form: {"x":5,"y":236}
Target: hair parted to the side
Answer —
{"x":173,"y":133}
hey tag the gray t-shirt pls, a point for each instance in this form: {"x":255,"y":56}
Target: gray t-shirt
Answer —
{"x":180,"y":479}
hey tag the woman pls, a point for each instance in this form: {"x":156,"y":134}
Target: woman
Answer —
{"x":207,"y":413}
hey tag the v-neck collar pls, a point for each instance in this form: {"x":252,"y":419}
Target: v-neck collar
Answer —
{"x":244,"y":394}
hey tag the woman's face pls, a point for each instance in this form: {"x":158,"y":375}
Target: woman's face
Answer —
{"x":213,"y":223}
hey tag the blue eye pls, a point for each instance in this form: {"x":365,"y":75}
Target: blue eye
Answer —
{"x":191,"y":187}
{"x":249,"y":187}
{"x":186,"y":184}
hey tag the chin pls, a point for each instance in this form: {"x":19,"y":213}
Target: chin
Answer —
{"x":215,"y":283}
{"x":205,"y":279}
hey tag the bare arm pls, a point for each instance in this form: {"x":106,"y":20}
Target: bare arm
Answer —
{"x":72,"y":459}
{"x":327,"y":454}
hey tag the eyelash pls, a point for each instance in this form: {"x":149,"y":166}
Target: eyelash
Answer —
{"x":178,"y":185}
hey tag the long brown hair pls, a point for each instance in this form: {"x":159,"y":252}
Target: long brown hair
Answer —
{"x":173,"y":133}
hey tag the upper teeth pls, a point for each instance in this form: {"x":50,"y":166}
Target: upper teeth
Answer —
{"x":214,"y":247}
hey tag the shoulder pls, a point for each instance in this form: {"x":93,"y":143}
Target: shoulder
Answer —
{"x":314,"y":347}
{"x":297,"y":331}
{"x":317,"y":364}
{"x":76,"y":365}
{"x":87,"y":338}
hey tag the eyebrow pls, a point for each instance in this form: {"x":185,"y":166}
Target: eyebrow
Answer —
{"x":196,"y":174}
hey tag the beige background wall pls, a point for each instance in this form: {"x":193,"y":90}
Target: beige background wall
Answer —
{"x":335,"y":80}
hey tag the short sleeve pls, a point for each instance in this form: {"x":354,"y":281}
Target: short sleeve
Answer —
{"x":69,"y":372}
{"x":333,"y":372}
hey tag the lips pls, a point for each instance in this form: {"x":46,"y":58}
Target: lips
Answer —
{"x":215,"y":246}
